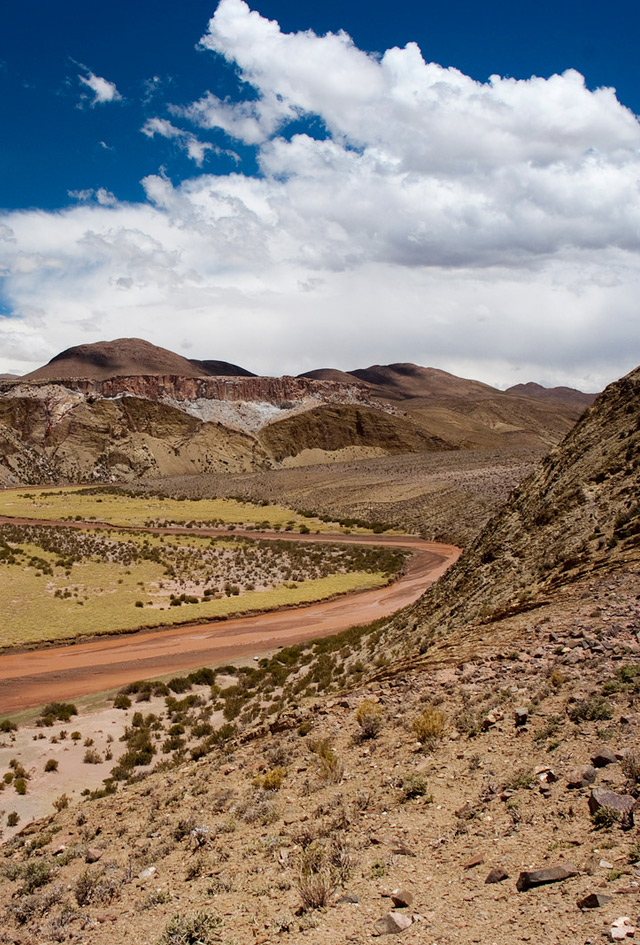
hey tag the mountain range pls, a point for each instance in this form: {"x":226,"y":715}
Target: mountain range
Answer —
{"x":128,"y":409}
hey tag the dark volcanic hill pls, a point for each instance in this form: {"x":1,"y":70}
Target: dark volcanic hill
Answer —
{"x":127,"y":357}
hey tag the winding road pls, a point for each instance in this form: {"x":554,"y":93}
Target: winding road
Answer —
{"x":34,"y":677}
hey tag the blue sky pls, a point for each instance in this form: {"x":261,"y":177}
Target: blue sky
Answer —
{"x":255,"y":191}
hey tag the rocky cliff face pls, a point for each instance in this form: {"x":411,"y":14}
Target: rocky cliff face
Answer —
{"x":127,"y":427}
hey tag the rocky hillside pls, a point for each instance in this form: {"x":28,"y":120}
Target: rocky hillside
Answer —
{"x":579,"y":513}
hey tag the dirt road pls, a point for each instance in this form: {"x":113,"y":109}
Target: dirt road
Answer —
{"x":66,"y":672}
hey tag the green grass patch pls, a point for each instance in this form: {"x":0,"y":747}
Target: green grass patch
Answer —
{"x":117,"y":508}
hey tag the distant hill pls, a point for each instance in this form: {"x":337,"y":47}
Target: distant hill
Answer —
{"x":565,"y":395}
{"x":127,"y":357}
{"x":405,"y":381}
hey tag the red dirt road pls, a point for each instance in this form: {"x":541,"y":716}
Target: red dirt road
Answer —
{"x":64,"y":672}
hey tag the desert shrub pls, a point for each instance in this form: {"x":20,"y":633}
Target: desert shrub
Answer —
{"x":121,"y":701}
{"x":369,"y":718}
{"x":6,"y":725}
{"x":272,"y":779}
{"x":415,"y":784}
{"x":604,"y":818}
{"x":61,"y":802}
{"x":556,"y":679}
{"x":200,"y":928}
{"x":596,"y":709}
{"x":91,"y":757}
{"x":330,"y":766}
{"x":51,"y":765}
{"x":12,"y":818}
{"x":631,"y":769}
{"x":62,"y":711}
{"x":34,"y":874}
{"x":257,"y":808}
{"x":521,"y":778}
{"x":429,"y":727}
{"x":102,"y":885}
{"x":315,"y":878}
{"x":20,"y":785}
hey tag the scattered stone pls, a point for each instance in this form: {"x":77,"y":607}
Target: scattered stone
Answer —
{"x":401,"y":898}
{"x":476,"y":861}
{"x":548,"y":874}
{"x":348,"y":899}
{"x":521,"y":716}
{"x":497,"y":875}
{"x":621,"y":928}
{"x":603,"y":756}
{"x":392,"y":923}
{"x":581,"y":777}
{"x":593,"y":900}
{"x":546,"y":774}
{"x":93,"y":854}
{"x":623,"y":804}
{"x":148,"y":873}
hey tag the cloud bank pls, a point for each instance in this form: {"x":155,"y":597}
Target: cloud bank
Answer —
{"x":492,"y":229}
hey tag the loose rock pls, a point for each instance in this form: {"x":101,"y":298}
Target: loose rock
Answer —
{"x":547,"y":874}
{"x":401,"y":898}
{"x":593,"y":900}
{"x":581,"y":777}
{"x":496,"y":875}
{"x":392,"y":924}
{"x":603,"y":756}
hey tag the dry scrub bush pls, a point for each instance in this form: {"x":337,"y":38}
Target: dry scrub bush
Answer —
{"x":631,"y":769}
{"x":331,"y":768}
{"x":272,"y":779}
{"x":201,"y":928}
{"x":316,"y":877}
{"x":429,"y":727}
{"x":369,"y":718}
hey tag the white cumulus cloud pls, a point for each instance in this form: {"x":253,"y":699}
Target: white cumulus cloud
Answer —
{"x":490,"y":228}
{"x":103,"y":90}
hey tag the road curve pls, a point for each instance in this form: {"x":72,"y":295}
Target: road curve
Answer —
{"x":64,"y":672}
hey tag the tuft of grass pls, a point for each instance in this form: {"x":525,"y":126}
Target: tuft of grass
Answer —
{"x":429,"y":727}
{"x":369,"y":718}
{"x":330,"y":766}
